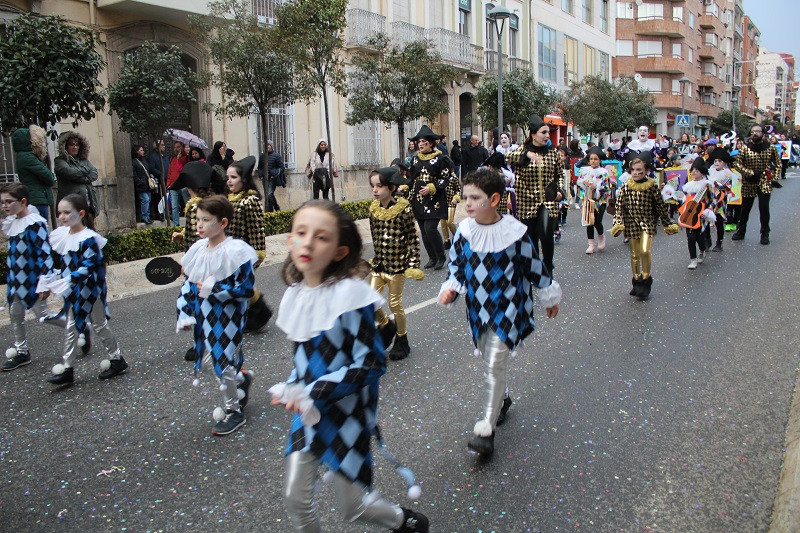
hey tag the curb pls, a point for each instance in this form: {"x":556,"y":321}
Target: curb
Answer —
{"x":786,"y":506}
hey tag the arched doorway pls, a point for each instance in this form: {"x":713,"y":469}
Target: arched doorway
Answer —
{"x":466,"y":117}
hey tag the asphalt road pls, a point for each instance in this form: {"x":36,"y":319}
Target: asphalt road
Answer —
{"x":663,"y":415}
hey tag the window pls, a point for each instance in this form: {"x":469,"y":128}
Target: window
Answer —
{"x":651,"y":84}
{"x":570,"y":60}
{"x":676,"y":86}
{"x":547,"y":53}
{"x":366,"y":143}
{"x":589,"y":61}
{"x":491,"y":34}
{"x":676,"y":50}
{"x":264,"y":10}
{"x":401,"y":10}
{"x":604,"y":16}
{"x":513,"y":42}
{"x":624,"y":10}
{"x":463,"y":22}
{"x":691,"y":20}
{"x":604,"y":65}
{"x":586,"y":12}
{"x":648,"y":49}
{"x":650,"y":11}
{"x":710,"y":68}
{"x":691,"y":55}
{"x":677,"y":13}
{"x":567,"y":5}
{"x":624,"y":48}
{"x":280,"y":130}
{"x":711,"y":38}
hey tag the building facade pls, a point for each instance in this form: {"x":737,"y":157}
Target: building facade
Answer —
{"x":746,"y":73}
{"x":775,"y":85}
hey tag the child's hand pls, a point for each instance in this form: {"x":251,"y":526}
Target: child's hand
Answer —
{"x":44,"y":295}
{"x":293,"y":406}
{"x":199,"y":286}
{"x":275,"y":401}
{"x":188,"y":327}
{"x":177,"y":236}
{"x":447,"y":297}
{"x":552,"y":312}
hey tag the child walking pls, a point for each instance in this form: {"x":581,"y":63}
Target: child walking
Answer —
{"x":596,"y":184}
{"x":248,"y":225}
{"x":339,"y":358}
{"x":493,"y":263}
{"x":639,"y":207}
{"x":213,"y":304}
{"x":722,"y":177}
{"x":28,"y":259}
{"x":396,"y":244}
{"x":82,"y":283}
{"x":699,"y":189}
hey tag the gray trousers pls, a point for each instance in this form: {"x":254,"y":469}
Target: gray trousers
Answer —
{"x":17,"y":312}
{"x":99,"y":324}
{"x":495,"y":361}
{"x":230,"y":396}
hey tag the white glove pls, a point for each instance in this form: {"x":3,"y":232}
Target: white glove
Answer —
{"x":285,"y":392}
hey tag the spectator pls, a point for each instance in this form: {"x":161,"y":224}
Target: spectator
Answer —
{"x":219,"y":163}
{"x":321,"y":169}
{"x":473,"y":156}
{"x":73,"y":170}
{"x":141,"y":184}
{"x":442,"y":146}
{"x":158,"y":161}
{"x":31,"y":151}
{"x":274,"y":175}
{"x":179,"y":197}
{"x":455,"y":157}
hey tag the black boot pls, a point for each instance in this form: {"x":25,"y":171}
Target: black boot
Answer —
{"x":765,"y":237}
{"x":401,"y":349}
{"x":441,"y":260}
{"x":387,"y":333}
{"x":430,"y":263}
{"x":482,"y":445}
{"x":115,"y":368}
{"x":245,"y":387}
{"x":413,"y":522}
{"x":646,"y":285}
{"x":190,"y":355}
{"x":637,"y":287}
{"x":503,"y":411}
{"x":64,"y":378}
{"x":257,"y":316}
{"x":718,"y":247}
{"x":738,"y":235}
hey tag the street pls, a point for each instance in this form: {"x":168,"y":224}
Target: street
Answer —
{"x":628,"y":416}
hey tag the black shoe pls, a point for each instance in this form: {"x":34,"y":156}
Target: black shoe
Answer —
{"x":19,"y":359}
{"x":430,"y":263}
{"x":447,"y":244}
{"x":87,"y":344}
{"x":257,"y":316}
{"x":117,"y":367}
{"x":737,"y":236}
{"x":482,"y":445}
{"x":413,"y":522}
{"x":777,"y":185}
{"x":245,"y":387}
{"x":64,"y":378}
{"x":644,"y":292}
{"x":387,"y":333}
{"x":708,"y":243}
{"x":637,"y":287}
{"x":503,"y":411}
{"x":233,"y":420}
{"x":401,"y":349}
{"x":717,"y":247}
{"x":190,"y":355}
{"x":440,"y":263}
{"x":765,"y":238}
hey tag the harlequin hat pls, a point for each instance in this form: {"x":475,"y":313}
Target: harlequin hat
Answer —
{"x":644,"y":157}
{"x":425,"y":133}
{"x":496,"y":160}
{"x":700,"y":165}
{"x":400,"y":164}
{"x":720,"y":153}
{"x":194,"y":175}
{"x":392,"y":175}
{"x":535,"y":122}
{"x":248,"y":164}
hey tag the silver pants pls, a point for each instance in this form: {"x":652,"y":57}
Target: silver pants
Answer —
{"x":17,"y":312}
{"x":495,"y":358}
{"x":301,"y":477}
{"x":230,"y":396}
{"x":99,"y":324}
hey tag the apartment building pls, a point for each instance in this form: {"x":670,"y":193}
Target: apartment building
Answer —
{"x":746,"y":73}
{"x":664,"y":41}
{"x":775,"y":85}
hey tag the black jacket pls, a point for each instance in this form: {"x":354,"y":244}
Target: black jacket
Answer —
{"x":270,"y":165}
{"x":141,"y":173}
{"x":455,"y":154}
{"x":472,"y":157}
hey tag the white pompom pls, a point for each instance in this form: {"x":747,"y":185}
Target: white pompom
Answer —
{"x":196,"y":382}
{"x":223,"y":387}
{"x":219,"y":414}
{"x":240,"y":394}
{"x":414,"y":492}
{"x":482,"y":428}
{"x":42,"y":319}
{"x":239,"y":377}
{"x":105,"y":364}
{"x":82,"y":341}
{"x":59,"y":369}
{"x":327,"y":477}
{"x":476,"y":352}
{"x":11,"y":353}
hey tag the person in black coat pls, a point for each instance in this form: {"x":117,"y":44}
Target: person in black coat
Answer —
{"x":141,"y":184}
{"x":273,"y":174}
{"x":473,"y":156}
{"x":455,"y":157}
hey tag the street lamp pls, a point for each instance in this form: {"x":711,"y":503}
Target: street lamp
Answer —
{"x":734,"y":109}
{"x":683,"y":81}
{"x":498,"y":16}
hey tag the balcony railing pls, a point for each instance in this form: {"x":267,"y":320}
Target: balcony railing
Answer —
{"x":404,"y":33}
{"x":362,"y":25}
{"x":265,"y":11}
{"x":454,"y":47}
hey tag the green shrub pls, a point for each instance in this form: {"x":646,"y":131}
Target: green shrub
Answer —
{"x":279,"y":221}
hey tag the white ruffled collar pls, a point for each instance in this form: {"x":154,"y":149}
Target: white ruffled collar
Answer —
{"x":305,"y":311}
{"x":200,"y":261}
{"x":62,"y":241}
{"x":13,"y":226}
{"x":638,"y":146}
{"x":694,"y":187}
{"x":492,"y":238}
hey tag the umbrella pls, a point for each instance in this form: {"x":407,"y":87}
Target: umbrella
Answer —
{"x":187,"y":138}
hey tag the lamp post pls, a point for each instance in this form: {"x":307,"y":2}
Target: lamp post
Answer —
{"x":498,"y":16}
{"x":734,"y":108}
{"x":683,"y":81}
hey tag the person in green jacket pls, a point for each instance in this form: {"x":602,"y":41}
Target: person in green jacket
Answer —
{"x":31,"y":151}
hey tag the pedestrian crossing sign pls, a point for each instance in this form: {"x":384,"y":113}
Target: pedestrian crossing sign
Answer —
{"x":682,"y":121}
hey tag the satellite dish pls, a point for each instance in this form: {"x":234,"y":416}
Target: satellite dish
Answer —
{"x":637,"y":77}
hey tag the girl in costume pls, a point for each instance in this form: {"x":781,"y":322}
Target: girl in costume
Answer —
{"x":248,"y":225}
{"x":453,"y":192}
{"x":596,"y":183}
{"x":722,"y":177}
{"x":213,"y":304}
{"x":639,"y":207}
{"x":396,"y":244}
{"x":494,"y":264}
{"x":81,"y":281}
{"x":497,"y":163}
{"x":329,"y":314}
{"x":701,"y":189}
{"x":563,"y":206}
{"x":28,"y":259}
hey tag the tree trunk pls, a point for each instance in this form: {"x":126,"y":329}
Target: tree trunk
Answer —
{"x":330,"y":150}
{"x":262,"y":149}
{"x":401,"y":133}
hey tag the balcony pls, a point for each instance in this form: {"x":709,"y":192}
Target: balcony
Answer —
{"x":709,"y":51}
{"x":708,"y":21}
{"x":173,"y":11}
{"x":739,"y":30}
{"x":658,"y":27}
{"x":709,"y":110}
{"x":709,"y":80}
{"x":672,"y":65}
{"x":737,"y":54}
{"x":404,"y":33}
{"x":454,"y":48}
{"x":675,"y":102}
{"x":361,"y":26}
{"x":519,"y":63}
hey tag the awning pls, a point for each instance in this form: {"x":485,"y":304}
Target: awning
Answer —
{"x":555,"y":120}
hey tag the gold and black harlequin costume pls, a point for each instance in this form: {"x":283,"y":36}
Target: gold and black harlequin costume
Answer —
{"x":190,"y":235}
{"x":639,"y":207}
{"x":533,"y":175}
{"x":453,"y":193}
{"x":248,"y":225}
{"x":759,"y":164}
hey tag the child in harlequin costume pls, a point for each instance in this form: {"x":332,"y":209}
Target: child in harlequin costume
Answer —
{"x":248,"y":225}
{"x":494,"y":264}
{"x":195,"y":177}
{"x":82,"y":283}
{"x":497,"y":163}
{"x":722,"y":177}
{"x":453,"y":193}
{"x":394,"y":237}
{"x":639,"y":207}
{"x":213,"y":304}
{"x":699,"y":188}
{"x":339,"y":358}
{"x":28,"y":260}
{"x":595,"y":181}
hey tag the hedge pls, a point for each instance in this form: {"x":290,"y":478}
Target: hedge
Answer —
{"x":153,"y":242}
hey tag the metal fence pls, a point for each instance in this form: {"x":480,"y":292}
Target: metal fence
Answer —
{"x":280,"y":130}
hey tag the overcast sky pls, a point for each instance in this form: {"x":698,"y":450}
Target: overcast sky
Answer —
{"x":777,"y":20}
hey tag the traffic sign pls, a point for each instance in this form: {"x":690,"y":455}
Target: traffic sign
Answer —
{"x":682,"y":121}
